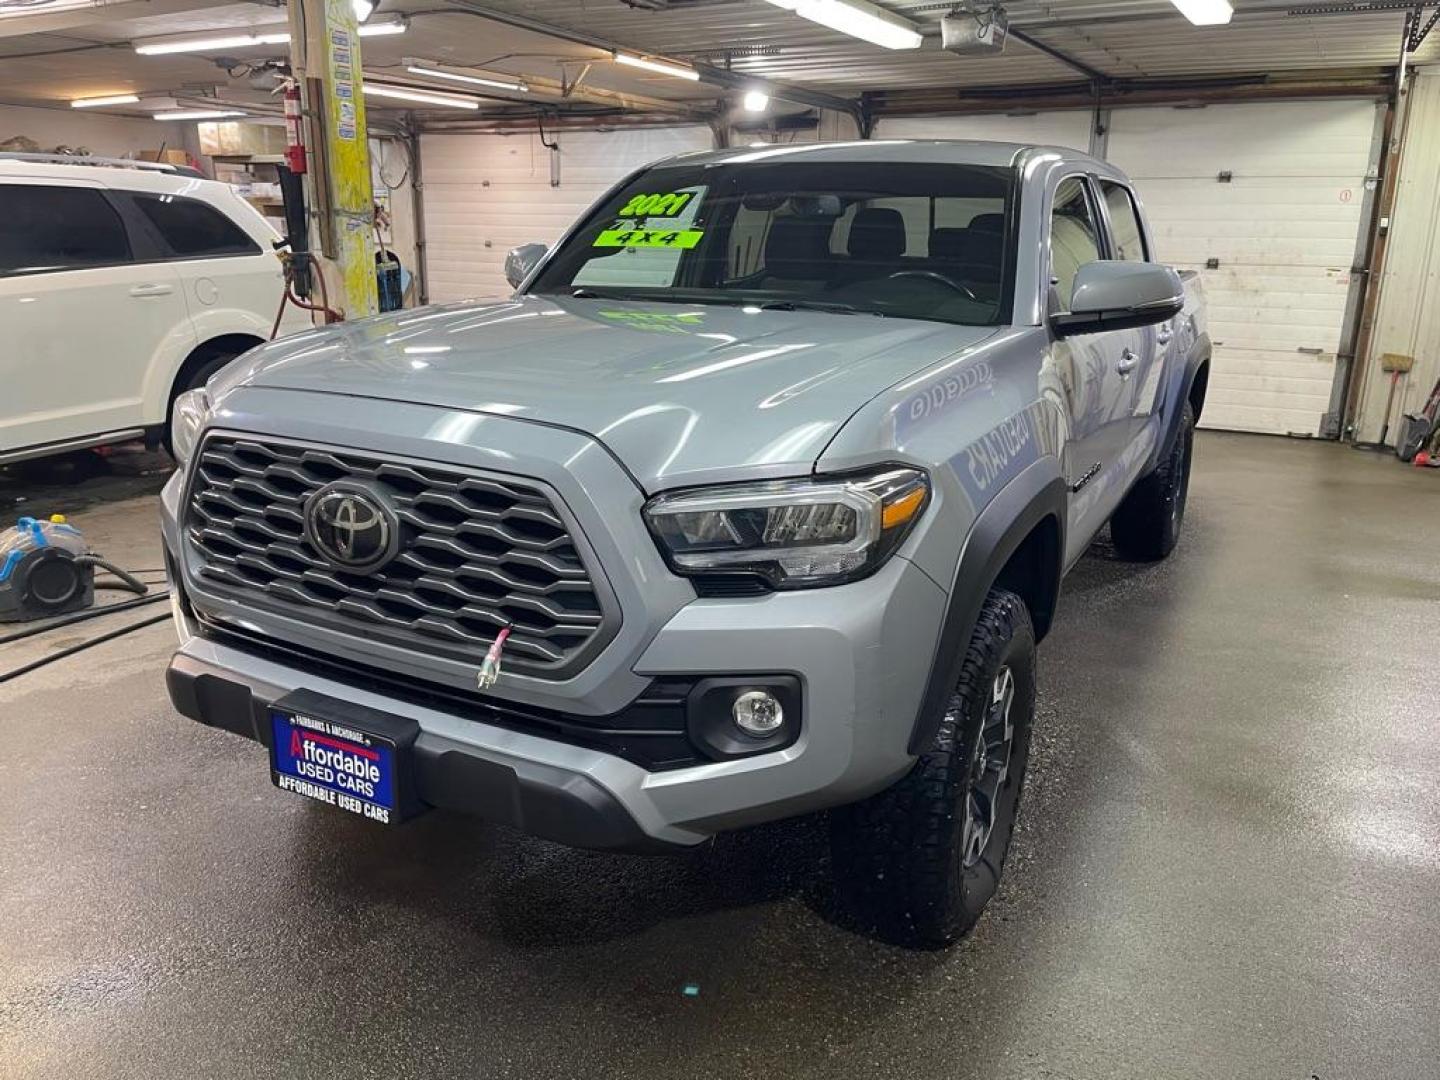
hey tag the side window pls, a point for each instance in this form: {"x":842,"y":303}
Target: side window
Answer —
{"x":1074,"y":239}
{"x":194,"y":229}
{"x":58,"y":228}
{"x":1125,"y":231}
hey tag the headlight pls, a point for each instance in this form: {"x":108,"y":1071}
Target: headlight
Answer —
{"x":794,"y":534}
{"x":186,"y":420}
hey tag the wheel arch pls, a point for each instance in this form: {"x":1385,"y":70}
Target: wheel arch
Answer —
{"x":221,"y":345}
{"x":1017,"y":543}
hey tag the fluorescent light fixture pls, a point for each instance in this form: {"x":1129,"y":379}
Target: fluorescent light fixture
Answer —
{"x":363,"y":8}
{"x":113,"y":99}
{"x":858,"y":19}
{"x":390,"y":24}
{"x":197,"y":114}
{"x":514,"y":85}
{"x":207,"y":42}
{"x":1205,"y":12}
{"x":756,"y":101}
{"x":660,"y":67}
{"x":425,"y":97}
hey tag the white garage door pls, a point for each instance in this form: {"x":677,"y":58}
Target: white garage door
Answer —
{"x":485,"y":194}
{"x":1069,"y":128}
{"x":1282,"y":229}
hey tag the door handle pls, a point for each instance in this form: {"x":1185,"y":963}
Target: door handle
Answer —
{"x":154,"y":289}
{"x":1127,"y":362}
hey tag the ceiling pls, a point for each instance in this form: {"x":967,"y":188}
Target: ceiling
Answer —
{"x":61,"y":52}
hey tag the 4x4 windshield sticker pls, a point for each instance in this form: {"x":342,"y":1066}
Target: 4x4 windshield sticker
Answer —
{"x":667,"y":205}
{"x":648,"y":238}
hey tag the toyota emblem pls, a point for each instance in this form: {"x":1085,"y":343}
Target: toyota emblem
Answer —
{"x":351,"y":527}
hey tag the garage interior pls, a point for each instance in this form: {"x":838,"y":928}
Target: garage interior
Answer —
{"x":1229,"y":849}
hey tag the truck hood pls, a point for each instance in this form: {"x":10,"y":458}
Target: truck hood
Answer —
{"x":679,"y":393}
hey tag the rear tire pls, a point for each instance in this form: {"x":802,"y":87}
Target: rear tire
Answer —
{"x":1147,"y":524}
{"x":918,"y":862}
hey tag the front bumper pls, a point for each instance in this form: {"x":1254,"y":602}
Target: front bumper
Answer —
{"x":860,"y":653}
{"x":852,"y":649}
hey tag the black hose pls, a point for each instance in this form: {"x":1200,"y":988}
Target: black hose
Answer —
{"x":84,"y":616}
{"x":129,"y":580}
{"x":109,"y":635}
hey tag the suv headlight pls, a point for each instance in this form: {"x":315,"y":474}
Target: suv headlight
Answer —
{"x":186,"y":420}
{"x":794,"y":534}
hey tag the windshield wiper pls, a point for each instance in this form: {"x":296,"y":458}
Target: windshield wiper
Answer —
{"x":833,"y":306}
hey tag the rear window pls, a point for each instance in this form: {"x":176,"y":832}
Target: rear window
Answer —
{"x":193,"y":229}
{"x":58,"y":228}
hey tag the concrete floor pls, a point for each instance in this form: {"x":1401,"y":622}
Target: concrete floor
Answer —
{"x":1228,"y":865}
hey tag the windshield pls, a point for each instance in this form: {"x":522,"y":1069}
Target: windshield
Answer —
{"x":918,"y":241}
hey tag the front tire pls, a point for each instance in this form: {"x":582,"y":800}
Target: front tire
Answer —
{"x":1146,"y":526}
{"x":919,"y":861}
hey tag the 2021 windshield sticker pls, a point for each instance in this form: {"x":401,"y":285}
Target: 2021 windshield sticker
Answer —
{"x":648,"y":238}
{"x":664,"y":205}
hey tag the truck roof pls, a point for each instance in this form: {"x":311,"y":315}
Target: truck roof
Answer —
{"x":911,"y":151}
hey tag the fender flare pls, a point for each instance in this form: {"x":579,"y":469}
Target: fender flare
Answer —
{"x":1038,"y":492}
{"x":1197,"y":358}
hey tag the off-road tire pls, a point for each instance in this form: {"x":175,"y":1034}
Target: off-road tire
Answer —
{"x":1147,"y":524}
{"x":900,"y":859}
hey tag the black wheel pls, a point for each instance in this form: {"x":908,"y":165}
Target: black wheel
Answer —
{"x":193,"y":379}
{"x":1147,"y":524}
{"x":919,"y":861}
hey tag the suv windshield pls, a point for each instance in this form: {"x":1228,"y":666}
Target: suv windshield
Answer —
{"x":926,"y":241}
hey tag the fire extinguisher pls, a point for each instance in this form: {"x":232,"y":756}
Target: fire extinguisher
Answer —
{"x":292,"y":191}
{"x":294,"y":133}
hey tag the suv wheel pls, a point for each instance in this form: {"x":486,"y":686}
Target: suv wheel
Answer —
{"x":196,"y":378}
{"x":1147,"y":524}
{"x":919,"y":861}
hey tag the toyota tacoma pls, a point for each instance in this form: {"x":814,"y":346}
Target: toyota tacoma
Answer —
{"x":752,"y":501}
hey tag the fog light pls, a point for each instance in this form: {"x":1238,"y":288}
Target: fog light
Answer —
{"x":758,"y":712}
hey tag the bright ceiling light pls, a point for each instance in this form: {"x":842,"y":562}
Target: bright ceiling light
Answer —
{"x":197,"y":114}
{"x":1205,"y":12}
{"x":660,"y":67}
{"x":209,"y":42}
{"x":390,"y":24}
{"x":514,"y":85}
{"x":426,"y":97}
{"x":756,"y":101}
{"x":113,"y":99}
{"x":363,"y":8}
{"x":858,"y":19}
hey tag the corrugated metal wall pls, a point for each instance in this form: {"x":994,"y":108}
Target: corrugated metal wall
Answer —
{"x":1407,"y":319}
{"x":485,"y":194}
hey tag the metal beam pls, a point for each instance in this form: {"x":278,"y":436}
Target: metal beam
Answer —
{"x":1094,"y":74}
{"x":709,"y":74}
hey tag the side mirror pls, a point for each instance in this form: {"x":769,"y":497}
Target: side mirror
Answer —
{"x":521,"y":260}
{"x":1113,"y":295}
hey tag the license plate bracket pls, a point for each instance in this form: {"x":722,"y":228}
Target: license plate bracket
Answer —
{"x":349,"y":756}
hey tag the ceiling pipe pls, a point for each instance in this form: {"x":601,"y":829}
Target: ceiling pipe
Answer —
{"x":713,"y":76}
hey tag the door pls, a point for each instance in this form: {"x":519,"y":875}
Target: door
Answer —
{"x":1094,"y":370}
{"x":1146,"y":351}
{"x":222,"y":269}
{"x":1265,"y":201}
{"x":81,"y":319}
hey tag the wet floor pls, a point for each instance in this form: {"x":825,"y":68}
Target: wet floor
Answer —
{"x":1228,"y":866}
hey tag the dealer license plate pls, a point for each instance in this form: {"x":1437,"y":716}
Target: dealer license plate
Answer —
{"x":332,"y":762}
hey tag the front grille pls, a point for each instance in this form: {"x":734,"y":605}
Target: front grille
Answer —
{"x":477,"y":552}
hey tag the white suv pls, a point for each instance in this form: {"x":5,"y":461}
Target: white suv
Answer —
{"x":121,"y":285}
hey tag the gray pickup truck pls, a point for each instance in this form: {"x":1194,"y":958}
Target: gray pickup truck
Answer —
{"x":752,"y":501}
